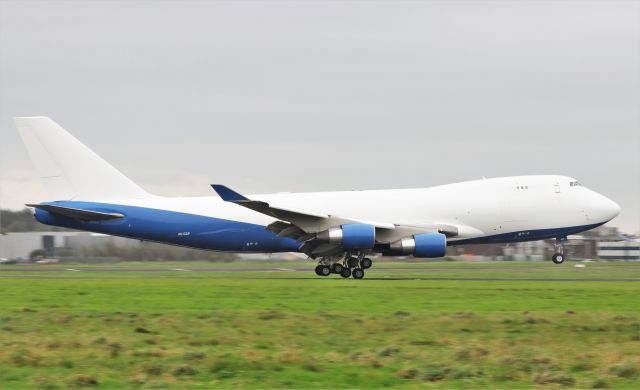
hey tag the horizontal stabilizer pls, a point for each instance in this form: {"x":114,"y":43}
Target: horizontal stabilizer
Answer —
{"x":79,"y":214}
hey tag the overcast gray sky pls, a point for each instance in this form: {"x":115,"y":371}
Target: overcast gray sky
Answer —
{"x":299,"y":96}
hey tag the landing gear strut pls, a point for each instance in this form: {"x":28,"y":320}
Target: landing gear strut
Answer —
{"x":559,"y":257}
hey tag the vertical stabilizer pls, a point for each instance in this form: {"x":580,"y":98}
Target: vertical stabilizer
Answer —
{"x":69,"y":170}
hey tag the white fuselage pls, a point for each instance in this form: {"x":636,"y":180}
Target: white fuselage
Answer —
{"x":479,"y":208}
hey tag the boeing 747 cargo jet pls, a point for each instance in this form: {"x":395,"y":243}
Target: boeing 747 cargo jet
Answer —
{"x":339,"y":229}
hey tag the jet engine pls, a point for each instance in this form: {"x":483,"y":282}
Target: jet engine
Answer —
{"x":421,"y":245}
{"x":350,"y":236}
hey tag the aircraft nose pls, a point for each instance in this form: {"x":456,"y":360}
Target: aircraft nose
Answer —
{"x":614,"y":208}
{"x":608,"y":208}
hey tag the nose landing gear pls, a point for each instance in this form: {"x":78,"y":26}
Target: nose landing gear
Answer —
{"x":559,"y":257}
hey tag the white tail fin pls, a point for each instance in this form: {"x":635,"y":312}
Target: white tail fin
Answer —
{"x":68,"y":169}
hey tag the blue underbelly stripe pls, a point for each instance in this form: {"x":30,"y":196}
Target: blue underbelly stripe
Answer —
{"x":177,"y":228}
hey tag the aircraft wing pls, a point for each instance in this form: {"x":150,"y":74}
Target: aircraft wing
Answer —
{"x":307,"y":221}
{"x":303,"y":226}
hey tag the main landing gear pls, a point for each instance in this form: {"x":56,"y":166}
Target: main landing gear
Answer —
{"x":346,"y":266}
{"x":559,"y":257}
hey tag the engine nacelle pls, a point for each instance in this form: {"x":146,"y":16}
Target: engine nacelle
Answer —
{"x":350,"y":236}
{"x":421,"y":245}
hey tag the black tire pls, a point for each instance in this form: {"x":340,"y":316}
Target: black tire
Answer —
{"x":325,"y":270}
{"x":346,"y":272}
{"x":558,"y":258}
{"x":318,"y":270}
{"x":358,"y":273}
{"x":366,"y":263}
{"x":352,"y":262}
{"x":337,"y":268}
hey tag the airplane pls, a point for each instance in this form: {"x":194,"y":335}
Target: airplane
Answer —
{"x":338,"y":229}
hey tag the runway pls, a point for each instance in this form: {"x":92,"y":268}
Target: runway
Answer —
{"x":306,"y":273}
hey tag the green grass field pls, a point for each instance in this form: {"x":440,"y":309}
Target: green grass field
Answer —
{"x":282,"y":328}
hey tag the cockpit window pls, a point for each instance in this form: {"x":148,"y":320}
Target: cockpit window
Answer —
{"x":574,"y":184}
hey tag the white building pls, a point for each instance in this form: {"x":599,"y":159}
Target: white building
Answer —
{"x":20,"y":245}
{"x":619,"y":250}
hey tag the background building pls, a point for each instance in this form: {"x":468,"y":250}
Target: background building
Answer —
{"x":19,"y":245}
{"x":619,"y":250}
{"x":605,"y":243}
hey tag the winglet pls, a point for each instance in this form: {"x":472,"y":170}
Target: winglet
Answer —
{"x":227,"y":194}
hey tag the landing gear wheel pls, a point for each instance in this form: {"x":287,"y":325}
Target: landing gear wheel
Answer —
{"x":366,"y":263}
{"x":352,"y":262}
{"x":558,"y":258}
{"x":324,"y":270}
{"x":337,"y":268}
{"x":345,"y":273}
{"x":358,"y":273}
{"x":318,"y":270}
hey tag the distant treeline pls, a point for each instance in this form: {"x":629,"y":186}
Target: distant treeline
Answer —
{"x":23,"y":221}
